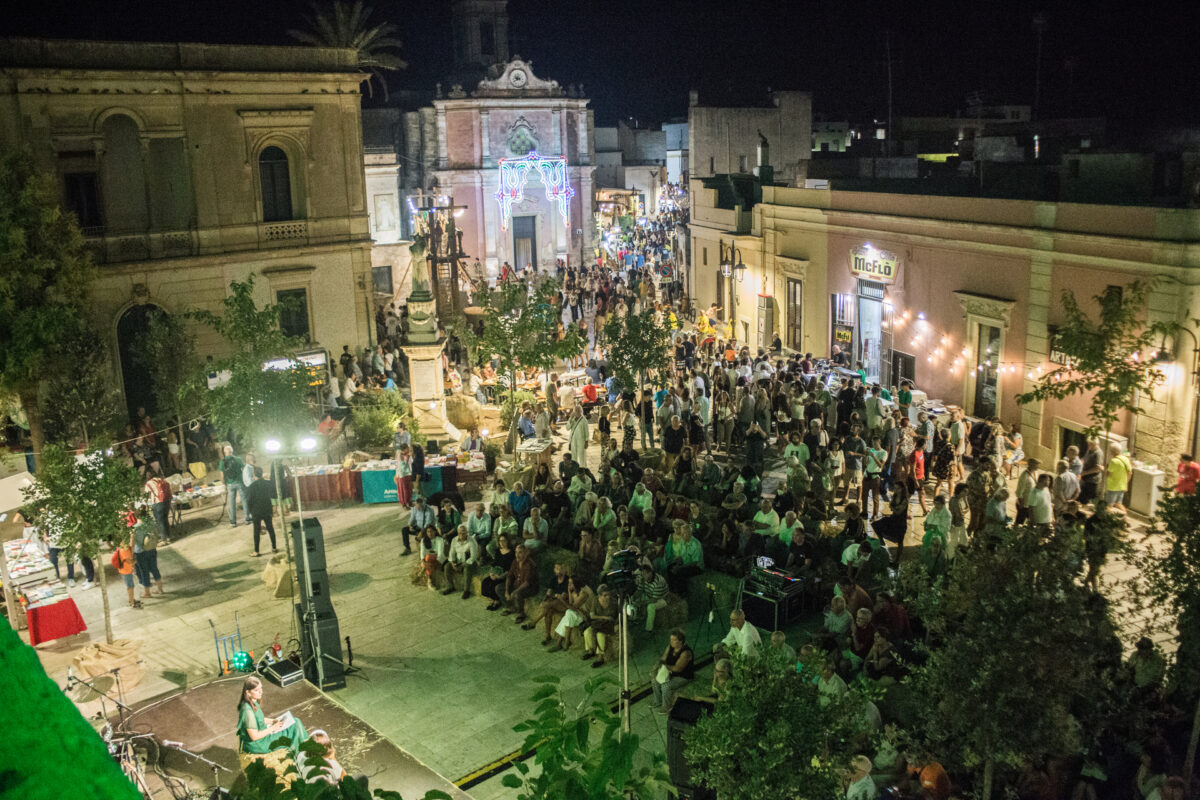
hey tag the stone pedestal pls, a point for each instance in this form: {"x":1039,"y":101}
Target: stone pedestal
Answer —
{"x":428,"y":387}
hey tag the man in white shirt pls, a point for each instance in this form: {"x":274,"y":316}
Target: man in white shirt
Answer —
{"x":461,"y":562}
{"x":566,"y":398}
{"x":1039,"y":501}
{"x":741,"y":633}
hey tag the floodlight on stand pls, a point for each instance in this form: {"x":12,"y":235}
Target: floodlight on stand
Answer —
{"x":308,"y":443}
{"x":272,"y":445}
{"x":484,"y":432}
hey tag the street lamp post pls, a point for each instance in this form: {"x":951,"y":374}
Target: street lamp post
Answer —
{"x":306,"y":446}
{"x":731,"y":265}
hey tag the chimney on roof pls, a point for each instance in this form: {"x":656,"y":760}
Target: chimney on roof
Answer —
{"x":764,"y":171}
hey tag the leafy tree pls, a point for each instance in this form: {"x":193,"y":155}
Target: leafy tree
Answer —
{"x":1168,"y":583}
{"x":84,"y":501}
{"x":1014,"y":633}
{"x":520,"y":329}
{"x":350,"y":25}
{"x":168,"y":352}
{"x":769,"y":736}
{"x":45,"y":273}
{"x":636,"y":345}
{"x":79,"y":401}
{"x":1109,"y":357}
{"x":573,"y":762}
{"x":255,"y":401}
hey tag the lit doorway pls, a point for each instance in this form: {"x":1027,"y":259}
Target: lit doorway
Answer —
{"x":987,"y":371}
{"x":870,"y":338}
{"x":524,"y":242}
{"x":795,"y":306}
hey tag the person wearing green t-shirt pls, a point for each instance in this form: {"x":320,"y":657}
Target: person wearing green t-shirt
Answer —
{"x":796,"y":447}
{"x":904,"y":398}
{"x":766,"y":521}
{"x":874,"y":461}
{"x":1116,"y":482}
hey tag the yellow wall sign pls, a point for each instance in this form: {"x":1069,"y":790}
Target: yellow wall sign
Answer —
{"x":874,"y":265}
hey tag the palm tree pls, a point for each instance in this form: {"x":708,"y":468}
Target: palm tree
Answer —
{"x":349,"y":25}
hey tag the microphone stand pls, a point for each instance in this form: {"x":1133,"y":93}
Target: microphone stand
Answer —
{"x":214,"y":766}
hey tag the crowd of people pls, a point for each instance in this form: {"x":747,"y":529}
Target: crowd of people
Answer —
{"x":733,"y":455}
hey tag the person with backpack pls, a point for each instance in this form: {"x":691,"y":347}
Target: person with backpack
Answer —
{"x":159,"y":490}
{"x":144,"y":540}
{"x":123,"y":562}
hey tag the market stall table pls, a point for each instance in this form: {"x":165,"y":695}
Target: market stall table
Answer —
{"x":329,"y":484}
{"x":49,"y":621}
{"x":197,"y":497}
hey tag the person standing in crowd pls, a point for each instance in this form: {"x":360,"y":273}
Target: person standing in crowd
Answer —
{"x":1189,"y":474}
{"x":159,"y":491}
{"x":1117,"y":475}
{"x":232,"y":469}
{"x":143,"y":538}
{"x":258,"y":498}
{"x":1091,"y":474}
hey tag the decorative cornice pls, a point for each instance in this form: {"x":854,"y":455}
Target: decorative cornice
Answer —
{"x":979,"y":305}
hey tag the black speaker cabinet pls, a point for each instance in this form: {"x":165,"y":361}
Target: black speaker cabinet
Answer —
{"x":312,"y":541}
{"x":329,"y":635}
{"x":683,"y":716}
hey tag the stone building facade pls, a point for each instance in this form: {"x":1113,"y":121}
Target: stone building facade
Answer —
{"x":959,"y":294}
{"x":193,"y":165}
{"x":723,"y":140}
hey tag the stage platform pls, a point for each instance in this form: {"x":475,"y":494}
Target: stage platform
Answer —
{"x":204,"y":719}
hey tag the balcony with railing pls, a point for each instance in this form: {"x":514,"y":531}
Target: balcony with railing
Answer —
{"x":109,"y":247}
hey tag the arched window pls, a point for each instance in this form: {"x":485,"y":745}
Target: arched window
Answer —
{"x":276,"y":185}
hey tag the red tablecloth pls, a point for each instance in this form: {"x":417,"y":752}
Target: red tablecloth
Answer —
{"x":333,"y":487}
{"x":47,"y":623}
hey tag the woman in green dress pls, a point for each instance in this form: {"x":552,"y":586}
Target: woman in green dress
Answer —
{"x":264,"y":738}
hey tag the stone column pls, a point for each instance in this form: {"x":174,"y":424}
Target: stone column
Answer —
{"x":443,"y":157}
{"x":1037,"y":349}
{"x":1161,"y":429}
{"x":485,"y":143}
{"x":582,"y":117}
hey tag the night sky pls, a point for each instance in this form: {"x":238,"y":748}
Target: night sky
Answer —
{"x":1138,"y":62}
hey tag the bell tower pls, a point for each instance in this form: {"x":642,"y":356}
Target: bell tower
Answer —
{"x":480,"y":33}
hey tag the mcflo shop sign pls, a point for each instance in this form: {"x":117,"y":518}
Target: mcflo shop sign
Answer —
{"x":874,"y":265}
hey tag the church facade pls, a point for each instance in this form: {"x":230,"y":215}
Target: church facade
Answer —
{"x":517,"y":152}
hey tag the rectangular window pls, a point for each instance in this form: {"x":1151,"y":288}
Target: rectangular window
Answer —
{"x":712,"y":165}
{"x":742,"y":164}
{"x":487,"y":38}
{"x":293,"y":312}
{"x":382,"y":278}
{"x":81,"y":194}
{"x":705,"y":252}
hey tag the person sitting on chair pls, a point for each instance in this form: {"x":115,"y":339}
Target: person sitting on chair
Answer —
{"x":270,"y":740}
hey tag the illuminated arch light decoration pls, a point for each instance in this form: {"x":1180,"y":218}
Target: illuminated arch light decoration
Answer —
{"x":515,"y":171}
